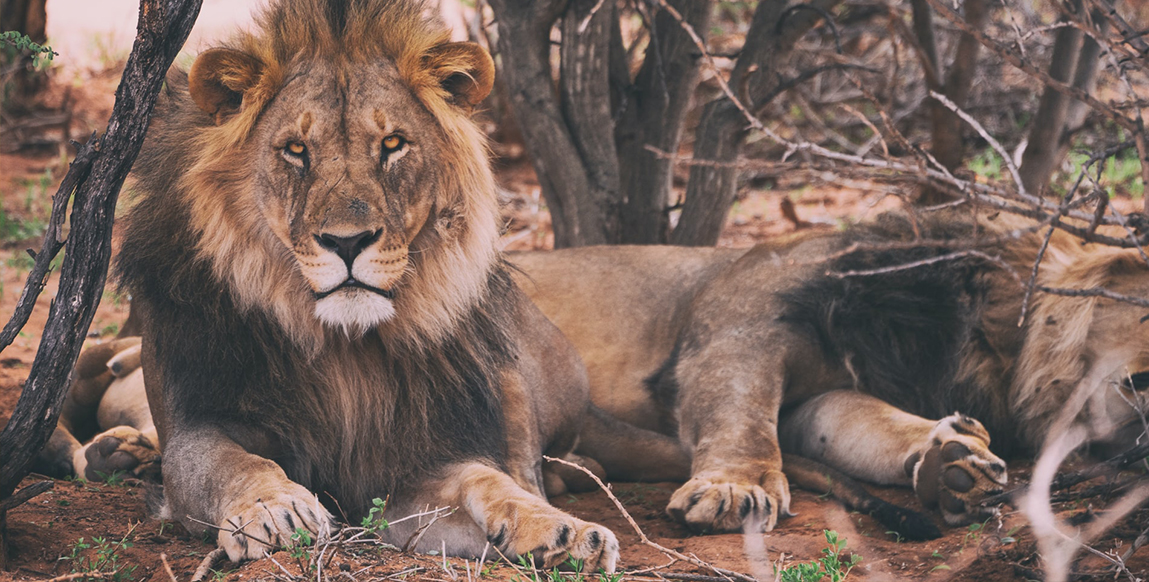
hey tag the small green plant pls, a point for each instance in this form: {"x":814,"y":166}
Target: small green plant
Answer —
{"x":300,"y":541}
{"x":897,"y":536}
{"x":831,"y":565}
{"x":101,"y":558}
{"x":1010,"y":536}
{"x":113,"y":479}
{"x":526,"y":568}
{"x":528,"y":572}
{"x":21,"y":42}
{"x":37,"y":190}
{"x":374,"y":521}
{"x":299,"y":548}
{"x":21,"y":261}
{"x":14,"y":229}
{"x":576,"y":576}
{"x":987,"y":164}
{"x":616,"y":577}
{"x":972,"y":534}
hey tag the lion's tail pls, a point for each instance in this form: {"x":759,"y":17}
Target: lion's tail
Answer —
{"x":629,"y":453}
{"x":818,"y":478}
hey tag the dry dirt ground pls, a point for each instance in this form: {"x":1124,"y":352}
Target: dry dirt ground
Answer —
{"x":76,"y":525}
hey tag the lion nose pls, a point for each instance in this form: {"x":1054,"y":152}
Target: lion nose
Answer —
{"x":348,"y":247}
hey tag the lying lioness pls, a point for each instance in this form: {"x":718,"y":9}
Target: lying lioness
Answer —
{"x":820,"y":345}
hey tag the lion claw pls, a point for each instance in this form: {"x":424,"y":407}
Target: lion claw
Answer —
{"x":714,"y":502}
{"x":270,"y":521}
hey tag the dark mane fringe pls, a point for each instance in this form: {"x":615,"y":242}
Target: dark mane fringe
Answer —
{"x":907,"y":336}
{"x":920,"y":337}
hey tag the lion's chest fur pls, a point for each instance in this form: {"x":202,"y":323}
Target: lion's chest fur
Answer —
{"x":370,"y":419}
{"x":360,"y":419}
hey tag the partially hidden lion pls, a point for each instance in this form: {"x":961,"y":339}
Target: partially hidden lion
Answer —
{"x":325,"y":319}
{"x":827,"y":346}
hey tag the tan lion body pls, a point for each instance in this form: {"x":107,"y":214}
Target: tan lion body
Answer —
{"x":719,"y":327}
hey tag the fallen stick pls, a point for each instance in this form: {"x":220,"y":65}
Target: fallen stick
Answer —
{"x":210,"y":561}
{"x":729,"y":574}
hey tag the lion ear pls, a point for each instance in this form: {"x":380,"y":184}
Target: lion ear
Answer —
{"x":464,"y":69}
{"x":218,"y":79}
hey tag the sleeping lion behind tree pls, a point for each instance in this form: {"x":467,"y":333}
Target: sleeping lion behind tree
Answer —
{"x":325,"y":318}
{"x":819,"y":347}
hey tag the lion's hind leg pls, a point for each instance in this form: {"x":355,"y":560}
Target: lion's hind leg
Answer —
{"x":818,"y":478}
{"x":947,"y":461}
{"x":129,"y":445}
{"x":92,"y":378}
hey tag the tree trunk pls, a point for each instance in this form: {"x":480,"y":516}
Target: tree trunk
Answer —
{"x":1041,"y":152}
{"x":1084,"y":78}
{"x":653,"y":112}
{"x":722,"y":129}
{"x":163,"y":27}
{"x":585,"y":93}
{"x":948,"y":146}
{"x":29,"y":17}
{"x":524,"y":47}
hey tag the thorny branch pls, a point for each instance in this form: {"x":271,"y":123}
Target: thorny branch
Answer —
{"x":1065,"y":216}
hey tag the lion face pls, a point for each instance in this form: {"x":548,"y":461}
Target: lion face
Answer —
{"x":351,"y":171}
{"x":347,"y":187}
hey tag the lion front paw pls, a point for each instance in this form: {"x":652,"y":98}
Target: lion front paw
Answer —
{"x":957,"y":470}
{"x":713,"y":501}
{"x":553,"y":538}
{"x":118,"y":451}
{"x":262,"y":522}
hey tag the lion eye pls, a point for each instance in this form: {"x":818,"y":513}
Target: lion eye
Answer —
{"x":392,"y":143}
{"x":296,"y":153}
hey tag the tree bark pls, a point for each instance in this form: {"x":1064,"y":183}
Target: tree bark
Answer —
{"x":723,"y":130}
{"x":163,"y":27}
{"x":948,"y":146}
{"x":653,"y":112}
{"x":524,"y":47}
{"x":1041,"y":152}
{"x":924,"y":31}
{"x":585,"y":91}
{"x":1084,"y":78}
{"x":29,"y":17}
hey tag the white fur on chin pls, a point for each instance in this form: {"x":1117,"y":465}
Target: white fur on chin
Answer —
{"x":356,"y":311}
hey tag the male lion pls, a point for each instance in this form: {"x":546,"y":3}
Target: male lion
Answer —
{"x":744,"y":354}
{"x":324,"y":316}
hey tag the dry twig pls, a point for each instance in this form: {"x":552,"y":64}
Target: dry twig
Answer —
{"x":210,"y":561}
{"x":727,"y":574}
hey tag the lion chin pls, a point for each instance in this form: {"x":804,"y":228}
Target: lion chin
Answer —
{"x":355,"y":311}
